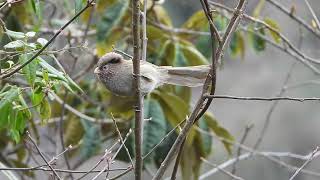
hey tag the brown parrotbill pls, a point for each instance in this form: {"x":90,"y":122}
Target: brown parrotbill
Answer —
{"x":116,"y":74}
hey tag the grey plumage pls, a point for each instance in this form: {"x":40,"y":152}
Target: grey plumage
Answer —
{"x":116,"y":75}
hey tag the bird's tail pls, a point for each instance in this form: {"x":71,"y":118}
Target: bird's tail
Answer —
{"x":185,"y":76}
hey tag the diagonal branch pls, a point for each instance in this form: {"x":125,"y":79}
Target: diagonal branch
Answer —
{"x":176,"y":147}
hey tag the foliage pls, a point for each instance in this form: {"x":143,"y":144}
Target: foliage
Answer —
{"x":22,"y":103}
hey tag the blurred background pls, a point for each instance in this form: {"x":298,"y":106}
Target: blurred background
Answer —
{"x":293,"y":126}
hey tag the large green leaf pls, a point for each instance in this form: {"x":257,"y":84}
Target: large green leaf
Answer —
{"x":173,"y":106}
{"x":45,"y":110}
{"x":155,"y":127}
{"x":110,"y":19}
{"x":196,"y":22}
{"x":192,"y":55}
{"x":59,"y":75}
{"x":7,"y":112}
{"x":219,"y":131}
{"x":167,"y":53}
{"x":162,"y":150}
{"x":29,"y":70}
{"x":202,"y":140}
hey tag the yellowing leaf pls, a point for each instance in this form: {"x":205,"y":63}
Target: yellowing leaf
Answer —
{"x":219,"y":131}
{"x":196,"y":22}
{"x":192,"y":55}
{"x":275,"y":26}
{"x":237,"y":45}
{"x":162,"y":15}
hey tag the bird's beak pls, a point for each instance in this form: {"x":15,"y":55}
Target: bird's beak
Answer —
{"x":96,"y":70}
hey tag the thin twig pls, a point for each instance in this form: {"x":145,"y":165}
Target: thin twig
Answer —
{"x":262,"y":98}
{"x":121,"y":139}
{"x":60,"y":128}
{"x":272,"y":108}
{"x":42,"y":156}
{"x":313,"y":155}
{"x":107,"y":152}
{"x":313,"y":14}
{"x":59,"y":170}
{"x":222,"y":170}
{"x":294,"y":17}
{"x":121,"y":174}
{"x":253,"y":152}
{"x":244,"y":137}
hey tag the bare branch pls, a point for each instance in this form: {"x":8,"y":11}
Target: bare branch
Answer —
{"x":138,"y":130}
{"x":313,"y":155}
{"x":222,"y":170}
{"x":262,"y":98}
{"x":42,"y":156}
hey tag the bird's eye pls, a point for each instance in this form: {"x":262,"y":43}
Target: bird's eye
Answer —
{"x":114,"y":61}
{"x":104,"y":67}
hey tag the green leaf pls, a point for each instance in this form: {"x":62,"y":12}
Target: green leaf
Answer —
{"x":173,"y":106}
{"x":45,"y":111}
{"x":221,"y":22}
{"x":155,"y":33}
{"x":167,"y":53}
{"x":219,"y":131}
{"x":162,"y":150}
{"x":110,"y":19}
{"x":196,"y":22}
{"x":14,"y":44}
{"x":15,"y":35}
{"x":203,"y":141}
{"x":237,"y":46}
{"x":29,"y":70}
{"x":37,"y":8}
{"x":79,"y":4}
{"x":15,"y":135}
{"x":155,"y":128}
{"x":60,"y":75}
{"x":192,"y":55}
{"x":9,"y":96}
{"x":257,"y":42}
{"x":272,"y":23}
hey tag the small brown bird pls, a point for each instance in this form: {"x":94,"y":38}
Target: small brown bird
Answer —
{"x":116,"y":74}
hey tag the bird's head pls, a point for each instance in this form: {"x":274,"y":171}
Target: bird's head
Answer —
{"x":108,"y":62}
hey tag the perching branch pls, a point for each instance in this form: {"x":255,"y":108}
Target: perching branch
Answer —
{"x":138,"y":130}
